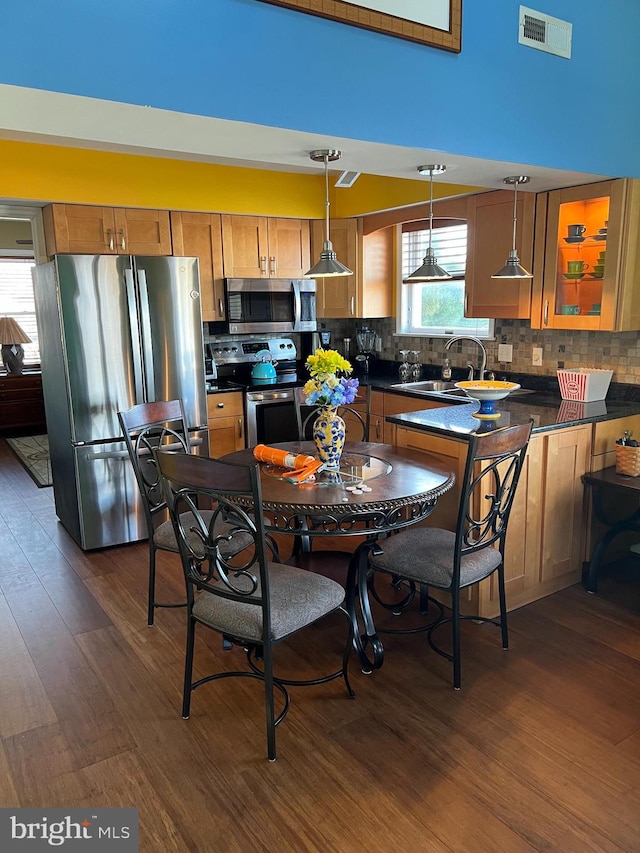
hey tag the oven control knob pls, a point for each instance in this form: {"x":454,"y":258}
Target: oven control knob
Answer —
{"x":234,"y":349}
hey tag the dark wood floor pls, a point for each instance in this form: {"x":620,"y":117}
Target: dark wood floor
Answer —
{"x":539,"y":751}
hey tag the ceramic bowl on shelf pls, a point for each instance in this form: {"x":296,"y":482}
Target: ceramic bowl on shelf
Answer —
{"x":487,"y":391}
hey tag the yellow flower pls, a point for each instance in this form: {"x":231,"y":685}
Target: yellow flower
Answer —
{"x":327,"y":362}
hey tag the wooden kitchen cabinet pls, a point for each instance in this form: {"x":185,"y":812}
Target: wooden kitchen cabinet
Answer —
{"x":376,"y":423}
{"x":489,"y":241}
{"x":606,"y":299}
{"x":263,"y":247}
{"x":387,"y":403}
{"x":369,"y":291}
{"x":21,"y":401}
{"x":546,"y":535}
{"x":225,"y":422}
{"x":87,"y":230}
{"x":200,"y":235}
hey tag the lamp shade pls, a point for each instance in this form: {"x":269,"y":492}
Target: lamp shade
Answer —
{"x":328,"y":266}
{"x":11,"y":332}
{"x":513,"y":268}
{"x":430,"y":270}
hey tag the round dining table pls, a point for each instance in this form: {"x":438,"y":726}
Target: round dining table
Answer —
{"x":377,"y":490}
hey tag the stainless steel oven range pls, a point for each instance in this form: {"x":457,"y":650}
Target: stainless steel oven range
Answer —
{"x":269,"y":404}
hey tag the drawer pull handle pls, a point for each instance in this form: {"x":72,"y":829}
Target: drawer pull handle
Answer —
{"x":221,"y":405}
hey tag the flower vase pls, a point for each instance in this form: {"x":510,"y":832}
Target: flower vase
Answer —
{"x":329,"y":434}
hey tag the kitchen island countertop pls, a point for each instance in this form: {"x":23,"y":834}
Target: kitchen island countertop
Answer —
{"x":548,"y":411}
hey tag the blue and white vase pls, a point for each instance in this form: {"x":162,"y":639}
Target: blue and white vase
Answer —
{"x":328,"y":434}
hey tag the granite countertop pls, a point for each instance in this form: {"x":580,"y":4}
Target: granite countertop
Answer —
{"x":546,"y":408}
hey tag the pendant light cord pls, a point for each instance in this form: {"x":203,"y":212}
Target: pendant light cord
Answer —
{"x":430,"y":207}
{"x":326,"y":196}
{"x":515,"y":211}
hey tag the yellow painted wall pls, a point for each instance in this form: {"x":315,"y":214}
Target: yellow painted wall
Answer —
{"x":43,"y":173}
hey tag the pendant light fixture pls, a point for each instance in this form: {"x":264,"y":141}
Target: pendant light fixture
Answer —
{"x":513,"y":269}
{"x":328,"y":266}
{"x":430,"y":269}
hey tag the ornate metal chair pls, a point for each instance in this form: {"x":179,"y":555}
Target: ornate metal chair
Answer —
{"x":146,"y":427}
{"x":432,"y":557}
{"x":253,"y":603}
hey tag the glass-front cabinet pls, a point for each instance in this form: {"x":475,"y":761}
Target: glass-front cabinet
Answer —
{"x":586,"y":246}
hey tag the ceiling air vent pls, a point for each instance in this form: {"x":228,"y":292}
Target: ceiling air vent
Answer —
{"x":543,"y":32}
{"x":347,"y":179}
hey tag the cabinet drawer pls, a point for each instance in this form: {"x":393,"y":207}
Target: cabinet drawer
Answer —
{"x":21,"y":383}
{"x":21,"y":414}
{"x":395,"y":404}
{"x":225,"y":405}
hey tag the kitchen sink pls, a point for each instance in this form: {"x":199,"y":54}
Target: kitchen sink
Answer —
{"x":438,"y":386}
{"x":427,"y":385}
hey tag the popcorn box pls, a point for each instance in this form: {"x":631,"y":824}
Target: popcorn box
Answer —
{"x":584,"y":384}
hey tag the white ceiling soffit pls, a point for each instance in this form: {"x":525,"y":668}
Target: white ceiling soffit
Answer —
{"x":35,"y":115}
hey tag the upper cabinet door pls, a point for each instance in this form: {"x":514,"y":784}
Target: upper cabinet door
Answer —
{"x":142,"y":232}
{"x":368,"y":292}
{"x":79,"y":229}
{"x":587,"y":242}
{"x":289,"y":249}
{"x":199,"y":235}
{"x":338,"y":297}
{"x":245,"y":246}
{"x":489,"y":241}
{"x":261,"y":247}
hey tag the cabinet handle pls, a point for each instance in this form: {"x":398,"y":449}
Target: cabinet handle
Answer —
{"x":263,"y":264}
{"x":110,"y":236}
{"x":377,"y":429}
{"x":239,"y":427}
{"x":353,"y":305}
{"x":122,"y":243}
{"x":221,"y":405}
{"x":545,"y":315}
{"x":465,"y":305}
{"x":272,"y":264}
{"x":220,"y":308}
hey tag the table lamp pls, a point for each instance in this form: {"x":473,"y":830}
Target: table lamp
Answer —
{"x":12,"y":337}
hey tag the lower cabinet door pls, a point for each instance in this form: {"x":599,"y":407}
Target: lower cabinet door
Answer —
{"x":225,"y":436}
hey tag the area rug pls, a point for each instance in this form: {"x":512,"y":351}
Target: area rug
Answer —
{"x":33,"y":452}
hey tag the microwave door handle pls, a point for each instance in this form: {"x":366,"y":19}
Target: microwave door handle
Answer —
{"x":135,"y":335}
{"x":297,"y":306}
{"x":147,"y":344}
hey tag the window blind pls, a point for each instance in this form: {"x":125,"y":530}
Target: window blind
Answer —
{"x":16,"y":300}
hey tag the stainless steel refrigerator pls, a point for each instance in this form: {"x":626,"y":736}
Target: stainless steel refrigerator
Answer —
{"x":114,"y":331}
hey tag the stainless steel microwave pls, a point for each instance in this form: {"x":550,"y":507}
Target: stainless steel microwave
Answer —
{"x":270,"y":305}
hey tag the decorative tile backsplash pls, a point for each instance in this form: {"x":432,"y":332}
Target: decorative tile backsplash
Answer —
{"x":617,"y":351}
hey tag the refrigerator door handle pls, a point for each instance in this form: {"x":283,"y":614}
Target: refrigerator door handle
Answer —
{"x":147,"y":341}
{"x":135,"y":334}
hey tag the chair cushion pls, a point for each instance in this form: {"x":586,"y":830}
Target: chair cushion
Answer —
{"x":425,"y":555}
{"x":298,"y":598}
{"x":164,"y":537}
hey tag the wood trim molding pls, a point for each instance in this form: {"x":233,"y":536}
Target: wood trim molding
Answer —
{"x":392,"y":25}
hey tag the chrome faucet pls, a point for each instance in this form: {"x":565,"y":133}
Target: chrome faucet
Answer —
{"x":483,"y":352}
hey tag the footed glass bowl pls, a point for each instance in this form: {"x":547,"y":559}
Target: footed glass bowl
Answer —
{"x":487,"y":391}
